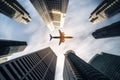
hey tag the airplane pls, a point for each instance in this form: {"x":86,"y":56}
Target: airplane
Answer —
{"x":62,"y":37}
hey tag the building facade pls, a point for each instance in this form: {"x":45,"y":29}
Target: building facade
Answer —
{"x":14,"y":10}
{"x":107,"y":64}
{"x":39,"y":65}
{"x":4,"y":59}
{"x":77,"y":69}
{"x":112,"y":30}
{"x":7,"y":47}
{"x":105,"y":10}
{"x":52,"y":12}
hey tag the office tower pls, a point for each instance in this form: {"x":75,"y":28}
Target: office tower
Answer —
{"x":77,"y":69}
{"x":39,"y":65}
{"x":105,"y":10}
{"x":3,"y":59}
{"x":112,"y":30}
{"x":7,"y":47}
{"x":14,"y":10}
{"x":52,"y":12}
{"x":108,"y":64}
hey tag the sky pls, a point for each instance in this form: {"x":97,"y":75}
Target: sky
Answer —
{"x":36,"y":33}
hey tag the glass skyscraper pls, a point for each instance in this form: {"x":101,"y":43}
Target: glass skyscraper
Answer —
{"x":77,"y":69}
{"x":105,"y":10}
{"x":52,"y":12}
{"x":107,"y":64}
{"x":7,"y":47}
{"x":39,"y":65}
{"x":112,"y":30}
{"x":14,"y":10}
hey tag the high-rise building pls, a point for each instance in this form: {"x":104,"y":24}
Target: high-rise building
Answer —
{"x":107,"y":64}
{"x":14,"y":10}
{"x":39,"y":65}
{"x":112,"y":30}
{"x":52,"y":11}
{"x":77,"y":69}
{"x":7,"y":47}
{"x":105,"y":10}
{"x":4,"y":59}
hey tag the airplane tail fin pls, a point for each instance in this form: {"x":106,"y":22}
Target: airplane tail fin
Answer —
{"x":51,"y":37}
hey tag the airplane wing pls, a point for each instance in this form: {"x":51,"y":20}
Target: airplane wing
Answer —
{"x":61,"y":37}
{"x":60,"y":32}
{"x":60,"y":42}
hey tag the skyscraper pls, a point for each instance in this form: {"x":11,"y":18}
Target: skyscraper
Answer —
{"x":14,"y":10}
{"x":106,"y":9}
{"x":8,"y":47}
{"x":77,"y":69}
{"x":51,"y":11}
{"x":112,"y":30}
{"x":4,"y":59}
{"x":108,"y":64}
{"x":39,"y":65}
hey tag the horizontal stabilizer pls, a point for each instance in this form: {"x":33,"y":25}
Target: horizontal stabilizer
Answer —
{"x":51,"y":37}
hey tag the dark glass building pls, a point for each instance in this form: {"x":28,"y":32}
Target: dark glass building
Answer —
{"x":51,"y":11}
{"x":107,"y":64}
{"x":77,"y":69}
{"x":14,"y":10}
{"x":106,"y":9}
{"x":7,"y":47}
{"x":39,"y":65}
{"x":112,"y":30}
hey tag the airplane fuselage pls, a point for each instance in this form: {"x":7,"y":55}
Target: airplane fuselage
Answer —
{"x":62,"y":37}
{"x":57,"y":37}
